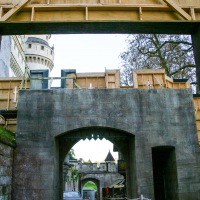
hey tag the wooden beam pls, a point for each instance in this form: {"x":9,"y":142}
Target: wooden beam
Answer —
{"x":33,"y":14}
{"x":14,"y":10}
{"x":140,"y":12}
{"x":86,"y":13}
{"x":192,"y":12}
{"x":1,"y":11}
{"x":178,"y":9}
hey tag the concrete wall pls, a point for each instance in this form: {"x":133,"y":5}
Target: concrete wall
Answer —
{"x":156,"y":117}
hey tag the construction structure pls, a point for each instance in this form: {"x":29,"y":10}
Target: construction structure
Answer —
{"x":98,"y":10}
{"x":154,"y":128}
{"x":9,"y":87}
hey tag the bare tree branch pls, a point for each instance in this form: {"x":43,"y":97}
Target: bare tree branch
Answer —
{"x":181,"y":68}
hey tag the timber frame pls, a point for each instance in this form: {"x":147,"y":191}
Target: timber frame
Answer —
{"x":99,"y":16}
{"x":99,"y":10}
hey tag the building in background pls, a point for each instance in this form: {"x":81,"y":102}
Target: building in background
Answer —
{"x":39,"y":55}
{"x":20,"y":53}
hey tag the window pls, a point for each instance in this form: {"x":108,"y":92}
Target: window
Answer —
{"x":42,"y":47}
{"x":29,"y":46}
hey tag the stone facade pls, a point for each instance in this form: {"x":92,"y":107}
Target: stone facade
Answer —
{"x":39,"y":55}
{"x":149,"y":126}
{"x":5,"y":53}
{"x":94,"y":167}
{"x":20,"y":52}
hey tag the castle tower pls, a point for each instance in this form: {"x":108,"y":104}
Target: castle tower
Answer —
{"x":39,"y":55}
{"x":109,"y":158}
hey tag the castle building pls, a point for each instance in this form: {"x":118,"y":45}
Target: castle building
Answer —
{"x":39,"y":55}
{"x":20,"y":52}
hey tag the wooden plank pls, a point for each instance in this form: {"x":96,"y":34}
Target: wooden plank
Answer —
{"x":135,"y":80}
{"x":149,"y":71}
{"x":149,"y":78}
{"x":140,"y":13}
{"x":8,"y":101}
{"x":55,"y":14}
{"x":198,"y":115}
{"x":181,"y":84}
{"x":33,"y":14}
{"x":14,"y":10}
{"x":196,"y":101}
{"x":192,"y":13}
{"x":117,"y":79}
{"x":90,"y":75}
{"x":86,"y":13}
{"x":1,"y":11}
{"x":198,"y":124}
{"x":178,"y":9}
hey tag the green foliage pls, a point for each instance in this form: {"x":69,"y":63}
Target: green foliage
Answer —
{"x":81,"y":160}
{"x":7,"y":136}
{"x":89,"y":161}
{"x":73,"y":176}
{"x":90,"y":184}
{"x":71,"y":154}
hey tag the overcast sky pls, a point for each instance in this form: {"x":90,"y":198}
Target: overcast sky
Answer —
{"x":88,"y":53}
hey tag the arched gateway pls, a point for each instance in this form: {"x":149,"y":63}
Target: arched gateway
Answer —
{"x":125,"y":142}
{"x":145,"y":124}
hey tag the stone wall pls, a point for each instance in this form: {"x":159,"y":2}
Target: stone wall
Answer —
{"x":94,"y":167}
{"x":7,"y":145}
{"x":148,"y":118}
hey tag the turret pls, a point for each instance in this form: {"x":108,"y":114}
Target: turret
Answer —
{"x":39,"y":55}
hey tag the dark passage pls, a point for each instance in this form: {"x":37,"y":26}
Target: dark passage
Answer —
{"x":164,"y":173}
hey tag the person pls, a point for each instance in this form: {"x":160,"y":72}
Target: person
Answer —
{"x":107,"y":191}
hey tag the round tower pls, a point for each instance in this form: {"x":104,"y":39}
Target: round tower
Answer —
{"x":39,"y":55}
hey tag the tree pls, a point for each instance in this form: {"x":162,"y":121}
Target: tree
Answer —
{"x":71,"y":154}
{"x":89,"y":161}
{"x":174,"y":53}
{"x":73,"y":175}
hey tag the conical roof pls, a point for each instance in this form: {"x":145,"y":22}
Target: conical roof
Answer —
{"x":109,"y":157}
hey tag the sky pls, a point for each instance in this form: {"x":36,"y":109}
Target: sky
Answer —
{"x":96,"y":151}
{"x":88,"y":53}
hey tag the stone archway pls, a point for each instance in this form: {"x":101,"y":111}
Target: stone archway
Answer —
{"x":95,"y":181}
{"x":124,"y":141}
